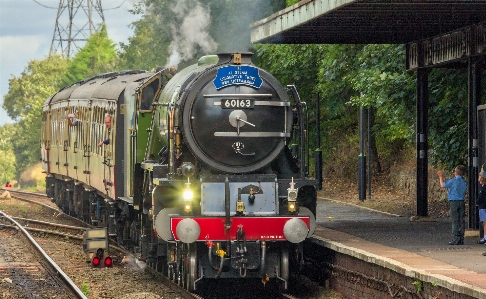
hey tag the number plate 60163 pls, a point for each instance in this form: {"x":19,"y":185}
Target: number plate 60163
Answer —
{"x":237,"y":103}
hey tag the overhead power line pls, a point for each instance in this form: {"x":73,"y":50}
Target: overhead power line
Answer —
{"x":116,"y":6}
{"x":43,"y":5}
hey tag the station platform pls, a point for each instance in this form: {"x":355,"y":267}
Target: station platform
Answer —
{"x":418,"y":248}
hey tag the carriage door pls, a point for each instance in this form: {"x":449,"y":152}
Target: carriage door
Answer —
{"x":84,"y":127}
{"x":46,"y":139}
{"x":109,"y":152}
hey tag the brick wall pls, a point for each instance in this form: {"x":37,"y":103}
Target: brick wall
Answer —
{"x":355,"y":278}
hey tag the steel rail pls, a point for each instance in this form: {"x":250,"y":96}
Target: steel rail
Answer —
{"x":63,"y":276}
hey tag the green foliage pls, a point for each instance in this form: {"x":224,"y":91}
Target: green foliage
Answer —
{"x":383,"y":84}
{"x":24,"y":101}
{"x":418,"y":284}
{"x":7,"y":157}
{"x":291,"y":2}
{"x":39,"y":80}
{"x":448,"y":103}
{"x":348,"y":77}
{"x":30,"y":188}
{"x":292,"y":64}
{"x":85,"y":289}
{"x":97,"y":56}
{"x":337,"y":68}
{"x":149,"y":46}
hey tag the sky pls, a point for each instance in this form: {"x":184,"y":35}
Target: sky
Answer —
{"x":27,"y":28}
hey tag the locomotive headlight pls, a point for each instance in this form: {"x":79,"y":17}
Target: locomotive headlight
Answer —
{"x":292,"y":206}
{"x":188,"y":195}
{"x":187,"y":206}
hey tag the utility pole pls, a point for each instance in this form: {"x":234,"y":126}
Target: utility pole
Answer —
{"x":75,"y":22}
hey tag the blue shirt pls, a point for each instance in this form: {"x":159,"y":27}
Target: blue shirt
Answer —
{"x":457,"y":188}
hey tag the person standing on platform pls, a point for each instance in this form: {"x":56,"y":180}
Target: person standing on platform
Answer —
{"x":457,"y":190}
{"x":481,"y":202}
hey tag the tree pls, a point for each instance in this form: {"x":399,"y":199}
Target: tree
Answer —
{"x":23,"y":102}
{"x":348,"y":77}
{"x":7,"y":157}
{"x":384,"y":87}
{"x":39,"y":80}
{"x":448,"y":129}
{"x":148,"y":48}
{"x":97,"y":56}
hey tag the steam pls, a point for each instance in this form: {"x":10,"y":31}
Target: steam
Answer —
{"x":191,"y":34}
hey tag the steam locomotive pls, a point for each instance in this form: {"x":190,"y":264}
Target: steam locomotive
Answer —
{"x":205,"y":172}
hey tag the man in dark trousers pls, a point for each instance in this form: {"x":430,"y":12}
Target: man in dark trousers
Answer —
{"x":457,"y":190}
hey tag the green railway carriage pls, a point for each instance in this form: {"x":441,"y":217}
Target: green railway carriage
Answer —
{"x":79,"y":172}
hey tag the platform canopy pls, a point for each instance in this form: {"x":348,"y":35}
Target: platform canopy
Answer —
{"x":366,"y":21}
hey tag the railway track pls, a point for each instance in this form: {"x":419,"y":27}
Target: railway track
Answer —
{"x":43,"y":200}
{"x":48,"y":225}
{"x":27,"y":271}
{"x":34,"y":225}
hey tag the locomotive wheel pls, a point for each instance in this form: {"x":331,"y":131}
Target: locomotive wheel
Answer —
{"x":284,"y":266}
{"x":191,"y":267}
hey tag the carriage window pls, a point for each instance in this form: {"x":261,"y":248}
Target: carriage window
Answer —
{"x":55,"y":128}
{"x":148,"y":94}
{"x":95,"y":127}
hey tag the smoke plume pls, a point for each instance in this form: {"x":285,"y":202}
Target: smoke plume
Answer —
{"x":190,"y":31}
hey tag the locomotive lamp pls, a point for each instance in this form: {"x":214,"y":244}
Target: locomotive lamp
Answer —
{"x":188,"y":170}
{"x":292,"y":197}
{"x":188,"y":195}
